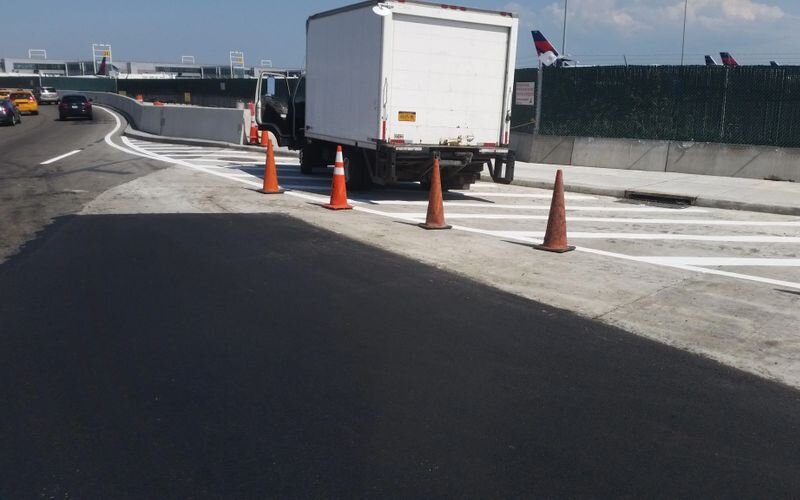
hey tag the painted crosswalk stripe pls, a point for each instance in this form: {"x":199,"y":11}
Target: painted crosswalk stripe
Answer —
{"x":464,"y":204}
{"x":658,"y":236}
{"x":620,"y":220}
{"x":534,"y":196}
{"x":722,"y":261}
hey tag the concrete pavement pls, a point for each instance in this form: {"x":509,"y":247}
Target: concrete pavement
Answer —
{"x":779,"y":197}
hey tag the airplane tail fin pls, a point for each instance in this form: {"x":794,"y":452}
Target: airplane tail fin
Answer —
{"x":542,"y":44}
{"x":774,"y":64}
{"x":728,"y":59}
{"x":710,"y":61}
{"x":101,"y":70}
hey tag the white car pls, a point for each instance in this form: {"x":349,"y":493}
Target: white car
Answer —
{"x":46,"y":95}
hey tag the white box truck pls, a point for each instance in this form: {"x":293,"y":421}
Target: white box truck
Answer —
{"x":397,"y":83}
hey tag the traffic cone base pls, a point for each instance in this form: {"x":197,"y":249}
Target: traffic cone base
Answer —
{"x":338,"y":185}
{"x":566,"y":249}
{"x":425,"y":225}
{"x":435,"y":216}
{"x":337,"y":207}
{"x":555,"y":237}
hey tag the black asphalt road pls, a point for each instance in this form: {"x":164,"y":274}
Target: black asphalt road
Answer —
{"x":32,"y":194}
{"x":253,"y":356}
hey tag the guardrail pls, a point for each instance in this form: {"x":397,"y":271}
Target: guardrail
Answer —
{"x":189,"y":122}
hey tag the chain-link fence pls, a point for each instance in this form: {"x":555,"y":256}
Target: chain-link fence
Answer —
{"x":745,"y":105}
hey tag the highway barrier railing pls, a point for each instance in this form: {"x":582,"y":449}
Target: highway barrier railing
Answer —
{"x":188,"y":122}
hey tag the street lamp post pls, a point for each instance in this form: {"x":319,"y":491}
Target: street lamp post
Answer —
{"x":683,"y":40}
{"x":564,"y":33}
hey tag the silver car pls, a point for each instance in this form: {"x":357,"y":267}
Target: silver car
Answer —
{"x":46,"y":95}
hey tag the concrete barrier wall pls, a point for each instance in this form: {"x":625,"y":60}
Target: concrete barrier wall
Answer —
{"x":620,"y":153}
{"x":755,"y":162}
{"x":189,"y":122}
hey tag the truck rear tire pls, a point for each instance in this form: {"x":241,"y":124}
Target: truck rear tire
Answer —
{"x":356,"y":169}
{"x":310,"y":158}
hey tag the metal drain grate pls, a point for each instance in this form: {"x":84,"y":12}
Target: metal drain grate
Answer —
{"x":661,"y":198}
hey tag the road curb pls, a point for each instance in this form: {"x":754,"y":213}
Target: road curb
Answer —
{"x":700,"y":201}
{"x":136,"y":134}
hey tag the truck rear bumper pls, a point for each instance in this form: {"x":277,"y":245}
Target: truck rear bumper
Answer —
{"x":413,"y":162}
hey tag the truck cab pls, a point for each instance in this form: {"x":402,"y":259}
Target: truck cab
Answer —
{"x":280,"y":106}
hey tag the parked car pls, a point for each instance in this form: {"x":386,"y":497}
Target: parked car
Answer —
{"x":25,"y":101}
{"x":9,"y":114}
{"x":4,"y":93}
{"x":75,"y":105}
{"x":46,"y":95}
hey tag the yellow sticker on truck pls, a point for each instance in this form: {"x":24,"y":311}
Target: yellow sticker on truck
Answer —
{"x":407,"y":116}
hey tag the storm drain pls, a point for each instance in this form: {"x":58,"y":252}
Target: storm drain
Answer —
{"x":665,"y":199}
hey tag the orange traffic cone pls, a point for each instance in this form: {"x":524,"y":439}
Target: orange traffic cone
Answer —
{"x":253,"y":128}
{"x":339,"y":186}
{"x":253,"y":133}
{"x":270,"y":173}
{"x":435,"y":217}
{"x":555,"y":238}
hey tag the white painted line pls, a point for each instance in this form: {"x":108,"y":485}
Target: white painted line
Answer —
{"x":625,"y":220}
{"x":534,"y":196}
{"x":746,"y":277}
{"x":137,"y":151}
{"x":53,"y":160}
{"x":472,"y":204}
{"x":722,"y":261}
{"x":657,"y":237}
{"x":461,"y":216}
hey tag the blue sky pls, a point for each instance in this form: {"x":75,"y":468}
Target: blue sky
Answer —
{"x":600,"y":31}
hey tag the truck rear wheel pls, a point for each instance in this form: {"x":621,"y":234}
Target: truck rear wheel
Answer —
{"x":356,"y":169}
{"x":310,"y":158}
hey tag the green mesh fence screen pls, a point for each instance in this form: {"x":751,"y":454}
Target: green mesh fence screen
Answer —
{"x":746,"y":105}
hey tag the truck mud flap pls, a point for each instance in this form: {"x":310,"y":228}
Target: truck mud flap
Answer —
{"x":502,"y":169}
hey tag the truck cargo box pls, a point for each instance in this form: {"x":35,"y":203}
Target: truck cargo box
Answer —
{"x":406,"y":72}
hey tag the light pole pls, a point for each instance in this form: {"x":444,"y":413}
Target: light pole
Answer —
{"x":683,"y":40}
{"x":564,"y":33}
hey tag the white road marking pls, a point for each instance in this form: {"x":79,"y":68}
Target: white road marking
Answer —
{"x":468,"y":204}
{"x":535,"y":196}
{"x":626,"y":220}
{"x":722,"y":261}
{"x":685,"y":265}
{"x":53,"y":160}
{"x":461,"y":216}
{"x":659,"y":236}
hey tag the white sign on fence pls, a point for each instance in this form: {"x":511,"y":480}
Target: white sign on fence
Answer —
{"x":525,"y":93}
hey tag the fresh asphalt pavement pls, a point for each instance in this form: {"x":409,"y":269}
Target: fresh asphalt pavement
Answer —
{"x":255,"y":356}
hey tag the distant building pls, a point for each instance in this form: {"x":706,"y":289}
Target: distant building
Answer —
{"x":53,"y":67}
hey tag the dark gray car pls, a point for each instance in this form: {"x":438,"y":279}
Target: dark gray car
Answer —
{"x":74,"y":105}
{"x":9,"y":113}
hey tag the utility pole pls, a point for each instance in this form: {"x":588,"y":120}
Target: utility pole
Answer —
{"x":683,"y":40}
{"x":564,"y":33}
